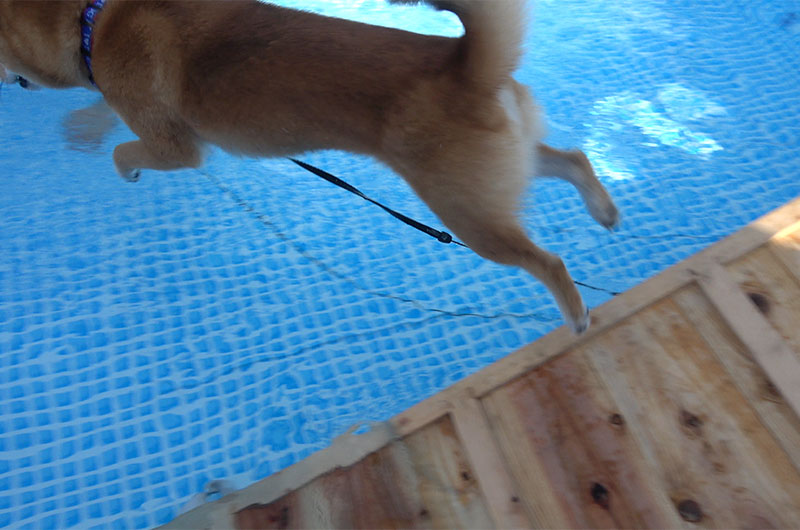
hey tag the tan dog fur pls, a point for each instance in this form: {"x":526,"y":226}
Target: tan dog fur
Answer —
{"x":262,"y":80}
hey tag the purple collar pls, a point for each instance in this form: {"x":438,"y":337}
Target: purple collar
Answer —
{"x":87,"y":29}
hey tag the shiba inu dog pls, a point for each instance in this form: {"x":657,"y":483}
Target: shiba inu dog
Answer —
{"x":261,"y":80}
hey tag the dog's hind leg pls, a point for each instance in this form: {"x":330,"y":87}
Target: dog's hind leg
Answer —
{"x":505,"y":242}
{"x":481,"y":212}
{"x":575,"y":168}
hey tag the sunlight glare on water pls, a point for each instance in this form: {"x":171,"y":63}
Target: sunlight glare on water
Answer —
{"x":663,"y":120}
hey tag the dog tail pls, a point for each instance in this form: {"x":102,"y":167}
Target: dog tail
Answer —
{"x":493,"y":34}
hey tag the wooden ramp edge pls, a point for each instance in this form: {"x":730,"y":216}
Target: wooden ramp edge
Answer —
{"x":679,"y":408}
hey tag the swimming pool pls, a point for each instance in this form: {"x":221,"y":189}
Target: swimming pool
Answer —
{"x":157,"y":336}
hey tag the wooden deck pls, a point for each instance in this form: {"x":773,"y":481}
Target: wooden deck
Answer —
{"x":678,"y":409}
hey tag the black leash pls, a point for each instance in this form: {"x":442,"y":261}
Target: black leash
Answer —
{"x":439,"y":235}
{"x":593,"y":288}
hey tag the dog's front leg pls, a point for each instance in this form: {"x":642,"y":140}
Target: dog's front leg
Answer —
{"x":131,"y":157}
{"x":85,"y":129}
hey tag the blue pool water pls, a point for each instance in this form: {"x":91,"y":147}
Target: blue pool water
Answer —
{"x":157,"y":336}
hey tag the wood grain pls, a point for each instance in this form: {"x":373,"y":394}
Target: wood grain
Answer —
{"x":494,"y":480}
{"x":786,"y":247}
{"x":744,"y":371}
{"x":571,"y":452}
{"x":701,"y":437}
{"x":447,"y":484}
{"x":764,"y":343}
{"x":424,"y":481}
{"x":774,"y":290}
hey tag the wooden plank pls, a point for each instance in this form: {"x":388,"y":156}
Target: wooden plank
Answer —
{"x":540,"y":500}
{"x":762,"y":276}
{"x":424,"y":481}
{"x":634,"y":372}
{"x":495,"y":481}
{"x":263,"y":517}
{"x":427,"y":411}
{"x":790,"y":220}
{"x":571,"y":453}
{"x":753,"y":455}
{"x":702,"y":440}
{"x":768,"y":348}
{"x":377,"y":492}
{"x":748,"y":376}
{"x":787,"y":248}
{"x":447,"y":484}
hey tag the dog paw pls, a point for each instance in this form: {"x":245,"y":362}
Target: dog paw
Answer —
{"x":612,"y":218}
{"x":581,"y":325}
{"x":132,"y":176}
{"x":606,"y":214}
